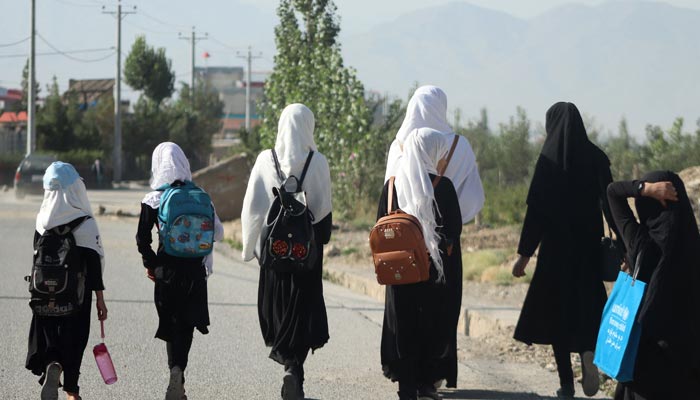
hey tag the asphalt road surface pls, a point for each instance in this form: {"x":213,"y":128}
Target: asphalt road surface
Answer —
{"x":229,"y":363}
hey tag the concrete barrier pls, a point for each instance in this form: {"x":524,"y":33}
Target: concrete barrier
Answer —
{"x":226,"y":183}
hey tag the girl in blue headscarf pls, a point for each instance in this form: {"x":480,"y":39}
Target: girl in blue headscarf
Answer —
{"x":57,"y":343}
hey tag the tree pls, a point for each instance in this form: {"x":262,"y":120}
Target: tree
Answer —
{"x":54,"y":122}
{"x":515,"y":154}
{"x":193,"y":129}
{"x":149,"y":70}
{"x":24,"y":102}
{"x":309,"y":69}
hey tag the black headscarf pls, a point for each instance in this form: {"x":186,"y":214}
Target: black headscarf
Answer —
{"x":564,"y":171}
{"x":670,"y":312}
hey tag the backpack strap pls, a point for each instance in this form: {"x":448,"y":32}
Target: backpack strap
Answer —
{"x":71,"y":226}
{"x":447,"y":162}
{"x":390,"y":201}
{"x":277,"y":165}
{"x":306,"y":167}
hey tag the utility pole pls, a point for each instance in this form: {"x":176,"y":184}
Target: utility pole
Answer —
{"x":117,"y":153}
{"x":31,"y":104}
{"x":193,"y":40}
{"x":249,"y":57}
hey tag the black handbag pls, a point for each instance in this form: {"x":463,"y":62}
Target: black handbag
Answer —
{"x":611,"y":257}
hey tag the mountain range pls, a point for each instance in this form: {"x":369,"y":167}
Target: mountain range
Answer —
{"x":634,"y":59}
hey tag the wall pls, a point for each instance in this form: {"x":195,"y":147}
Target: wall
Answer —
{"x":226,"y":183}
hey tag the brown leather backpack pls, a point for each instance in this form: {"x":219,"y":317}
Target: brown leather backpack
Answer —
{"x":396,"y":241}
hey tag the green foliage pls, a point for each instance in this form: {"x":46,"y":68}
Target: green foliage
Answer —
{"x":309,"y":69}
{"x":24,"y":102}
{"x":55,"y":122}
{"x":149,"y":70}
{"x":193,"y":128}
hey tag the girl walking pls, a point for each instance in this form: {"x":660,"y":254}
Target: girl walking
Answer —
{"x":291,"y":307}
{"x":564,"y":207}
{"x":57,"y":343}
{"x":665,"y":244}
{"x":418,"y":337}
{"x":180,"y":291}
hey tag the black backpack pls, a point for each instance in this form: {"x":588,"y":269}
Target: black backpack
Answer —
{"x":287,"y":237}
{"x":57,"y":282}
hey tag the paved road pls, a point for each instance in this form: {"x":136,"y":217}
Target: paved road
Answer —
{"x":229,"y":363}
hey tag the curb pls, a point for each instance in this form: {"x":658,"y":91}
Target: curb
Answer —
{"x":475,"y":320}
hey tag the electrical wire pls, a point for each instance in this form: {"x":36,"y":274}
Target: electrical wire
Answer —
{"x":219,"y":42}
{"x":147,"y":15}
{"x":14,"y":43}
{"x":75,"y":4}
{"x":137,"y":26}
{"x":65,"y":53}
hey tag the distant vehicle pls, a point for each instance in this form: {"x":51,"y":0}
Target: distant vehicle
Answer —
{"x":29,"y":177}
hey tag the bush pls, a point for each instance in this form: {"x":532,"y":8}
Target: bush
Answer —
{"x":505,"y":205}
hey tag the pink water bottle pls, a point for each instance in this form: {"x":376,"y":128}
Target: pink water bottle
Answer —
{"x":103,"y":359}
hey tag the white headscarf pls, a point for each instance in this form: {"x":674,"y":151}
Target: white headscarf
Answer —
{"x":428,"y":109}
{"x":295,"y":138}
{"x":422,"y":150}
{"x":65,"y":199}
{"x":169,"y":164}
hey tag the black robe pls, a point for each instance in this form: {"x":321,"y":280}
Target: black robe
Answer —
{"x":291,"y":308}
{"x":565,"y":299}
{"x":63,"y":339}
{"x":419,"y":333}
{"x":667,"y":240}
{"x":180,"y":289}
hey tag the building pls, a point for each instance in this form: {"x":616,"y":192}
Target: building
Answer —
{"x":9,"y":98}
{"x":229,"y":82}
{"x":13,"y":132}
{"x":90,"y":91}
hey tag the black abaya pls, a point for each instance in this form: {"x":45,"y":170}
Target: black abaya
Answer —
{"x":291,"y":308}
{"x":63,"y":339}
{"x":567,"y":194}
{"x":667,"y":364}
{"x":419,"y":333}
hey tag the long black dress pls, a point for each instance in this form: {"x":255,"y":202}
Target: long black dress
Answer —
{"x":63,"y":339}
{"x":419,"y":333}
{"x":291,"y":308}
{"x":180,"y":292}
{"x":566,"y":296}
{"x":667,"y":240}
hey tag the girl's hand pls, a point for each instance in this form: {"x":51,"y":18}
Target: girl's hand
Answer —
{"x":101,"y":309}
{"x":150,"y":274}
{"x":660,"y":191}
{"x":519,"y":266}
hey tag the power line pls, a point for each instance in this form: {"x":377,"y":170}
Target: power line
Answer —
{"x":63,"y":53}
{"x":137,"y":26}
{"x":75,"y":4}
{"x":14,"y":43}
{"x":161,"y":21}
{"x":219,"y":42}
{"x":54,"y":53}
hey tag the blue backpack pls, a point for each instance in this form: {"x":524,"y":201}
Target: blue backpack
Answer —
{"x":186,"y":220}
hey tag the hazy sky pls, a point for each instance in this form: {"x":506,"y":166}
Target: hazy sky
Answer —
{"x":70,"y":25}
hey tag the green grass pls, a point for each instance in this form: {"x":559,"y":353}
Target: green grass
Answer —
{"x":349,"y":250}
{"x":490,"y":265}
{"x":234,"y":243}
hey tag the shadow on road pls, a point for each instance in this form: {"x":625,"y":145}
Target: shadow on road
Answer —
{"x":465,"y":394}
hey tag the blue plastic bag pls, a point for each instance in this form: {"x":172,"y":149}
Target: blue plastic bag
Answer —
{"x":618,"y":337}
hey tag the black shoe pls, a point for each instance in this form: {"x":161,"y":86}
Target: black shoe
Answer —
{"x":428,"y":392}
{"x":407,"y":397}
{"x":590,"y":380}
{"x":566,"y":392}
{"x":291,"y":389}
{"x":51,"y":381}
{"x":175,"y":390}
